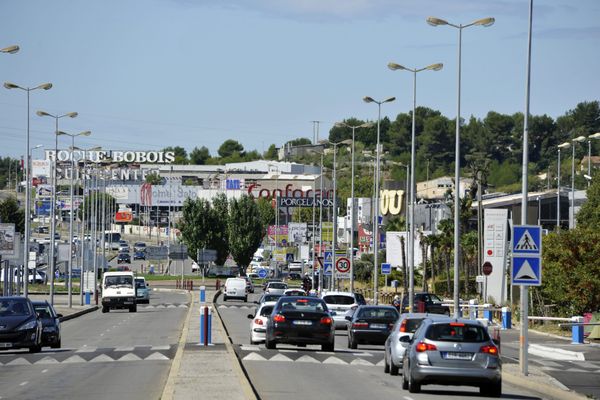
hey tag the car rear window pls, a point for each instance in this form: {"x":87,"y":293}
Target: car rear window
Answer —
{"x":302,"y":304}
{"x":266,"y":311}
{"x":457,"y":332}
{"x":375,"y":312}
{"x":339,"y":299}
{"x":277,"y":285}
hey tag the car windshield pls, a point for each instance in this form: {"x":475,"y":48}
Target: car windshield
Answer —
{"x":43,"y":311}
{"x":276,"y":285}
{"x":266,"y":311}
{"x":302,"y":304}
{"x":412,"y":324}
{"x":339,"y":299}
{"x":379,"y":313}
{"x":140,"y":245}
{"x":119,"y":280}
{"x":435,"y":298}
{"x":457,"y":332}
{"x":13,"y":308}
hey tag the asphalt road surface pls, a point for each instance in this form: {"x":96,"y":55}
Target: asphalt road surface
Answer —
{"x":119,"y":355}
{"x":290,"y":372}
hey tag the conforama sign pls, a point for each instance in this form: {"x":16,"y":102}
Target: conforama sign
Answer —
{"x":289,"y":191}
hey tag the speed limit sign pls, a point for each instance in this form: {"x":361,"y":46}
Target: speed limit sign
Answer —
{"x":342,"y":268}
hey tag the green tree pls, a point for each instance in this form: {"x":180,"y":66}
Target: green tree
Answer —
{"x":196,"y":225}
{"x":10,"y":213}
{"x":271,"y":153}
{"x":589,"y":214}
{"x":199,"y":156}
{"x":299,"y":142}
{"x":245,"y":230}
{"x":266,"y":213}
{"x":153,"y":179}
{"x":230,"y":147}
{"x":220,"y":240}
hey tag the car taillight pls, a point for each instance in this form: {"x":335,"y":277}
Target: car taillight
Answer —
{"x":326,"y":320}
{"x":279,"y":318}
{"x":403,"y":326}
{"x":360,"y":325}
{"x":422,"y":346}
{"x":258,"y":321}
{"x":490,"y":349}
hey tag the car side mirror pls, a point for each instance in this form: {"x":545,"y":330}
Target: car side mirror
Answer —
{"x":147,"y":284}
{"x":405,"y":339}
{"x":59,"y":315}
{"x":250,"y":316}
{"x":348,"y":318}
{"x":333,"y":313}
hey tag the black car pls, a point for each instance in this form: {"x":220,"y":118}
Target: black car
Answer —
{"x":426,"y":303}
{"x":294,"y":276}
{"x":42,"y":229}
{"x":300,"y":320}
{"x":139,"y":255}
{"x":370,"y":324}
{"x":20,"y":326}
{"x":50,"y":323}
{"x":124,"y":258}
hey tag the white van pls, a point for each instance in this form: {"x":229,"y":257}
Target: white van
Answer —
{"x":118,"y":291}
{"x":235,"y":288}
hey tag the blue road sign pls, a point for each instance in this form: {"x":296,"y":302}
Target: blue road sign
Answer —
{"x":527,"y":270}
{"x":527,"y":239}
{"x":328,"y":263}
{"x":262,"y":273}
{"x":386,"y":269}
{"x":328,"y":257}
{"x":289,"y":257}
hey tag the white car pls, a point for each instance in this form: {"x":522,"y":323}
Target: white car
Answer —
{"x":235,"y":288}
{"x":258,"y":326}
{"x":294,"y":292}
{"x":340,"y":303}
{"x":276,"y":288}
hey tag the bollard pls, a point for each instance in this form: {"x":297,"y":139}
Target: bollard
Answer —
{"x":577,"y":331}
{"x":191,"y":284}
{"x":487,"y":313}
{"x":202,"y":294}
{"x":506,"y":322}
{"x":217,"y":284}
{"x":472,"y":309}
{"x":209,"y":333}
{"x":205,"y":326}
{"x":87,"y":297}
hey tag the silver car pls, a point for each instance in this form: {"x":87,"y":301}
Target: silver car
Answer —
{"x":394,"y":351}
{"x":452,"y":352}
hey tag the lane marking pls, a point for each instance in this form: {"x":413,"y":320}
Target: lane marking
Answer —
{"x":23,"y":383}
{"x":408,"y":398}
{"x":44,"y":371}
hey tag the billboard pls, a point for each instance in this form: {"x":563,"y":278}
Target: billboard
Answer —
{"x":278,"y":235}
{"x":123,"y":216}
{"x":7,"y":239}
{"x":297,"y":232}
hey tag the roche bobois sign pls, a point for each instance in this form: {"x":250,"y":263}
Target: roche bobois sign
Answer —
{"x":138,"y":157}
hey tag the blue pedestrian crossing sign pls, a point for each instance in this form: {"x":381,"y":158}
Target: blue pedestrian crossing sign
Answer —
{"x":527,"y":271}
{"x":386,"y":269}
{"x":328,"y":263}
{"x":527,"y":239}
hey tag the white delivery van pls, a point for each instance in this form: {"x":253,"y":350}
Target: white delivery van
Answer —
{"x":118,"y":291}
{"x":235,"y":288}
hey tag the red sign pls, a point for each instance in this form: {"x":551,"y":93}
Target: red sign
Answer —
{"x":342,"y":265}
{"x":123,"y":216}
{"x":489,"y":252}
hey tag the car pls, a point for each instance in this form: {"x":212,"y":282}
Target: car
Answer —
{"x":370,"y":325}
{"x":121,"y":268}
{"x":253,"y":275}
{"x":276,"y":287}
{"x":50,"y":324}
{"x":142,"y":293}
{"x":300,"y":320}
{"x":22,"y":328}
{"x":341,"y":303}
{"x":40,"y":277}
{"x":426,"y":303}
{"x":235,"y":288}
{"x":295,"y":276}
{"x":259,"y":322}
{"x":139,"y":255}
{"x":265,"y":283}
{"x":452,"y":352}
{"x":139,"y":246}
{"x":294,"y":292}
{"x":42,"y":229}
{"x":249,"y":284}
{"x":268,"y":297}
{"x":124,"y":258}
{"x":394,"y":350}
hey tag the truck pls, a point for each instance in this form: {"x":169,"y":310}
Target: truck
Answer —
{"x":118,"y":291}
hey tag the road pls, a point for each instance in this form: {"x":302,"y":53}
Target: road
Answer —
{"x":290,"y":372}
{"x":119,"y":355}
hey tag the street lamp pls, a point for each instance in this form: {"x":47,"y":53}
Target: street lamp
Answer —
{"x":411,"y":233}
{"x":69,"y":279}
{"x":368,"y":99}
{"x":592,"y":136}
{"x":44,"y":86}
{"x":52,"y":261}
{"x":10,"y":49}
{"x":334,"y":245}
{"x":564,"y":145}
{"x":433,"y":21}
{"x":578,"y":139}
{"x":352,"y":217}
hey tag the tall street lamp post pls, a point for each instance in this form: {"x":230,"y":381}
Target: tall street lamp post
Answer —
{"x":44,"y":86}
{"x":433,"y":21}
{"x":593,"y":136}
{"x":353,"y":208}
{"x":52,"y":260}
{"x":564,"y":145}
{"x":71,"y":212}
{"x":411,"y":233}
{"x":368,"y":99}
{"x":578,"y":139}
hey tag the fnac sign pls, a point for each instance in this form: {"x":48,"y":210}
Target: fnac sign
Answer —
{"x":390,"y":202}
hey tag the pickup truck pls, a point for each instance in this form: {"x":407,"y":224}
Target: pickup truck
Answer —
{"x":118,"y":291}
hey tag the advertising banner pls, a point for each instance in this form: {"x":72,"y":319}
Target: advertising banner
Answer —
{"x":278,"y":235}
{"x":40,"y":168}
{"x":327,"y":231}
{"x":7,"y":239}
{"x":43,"y":207}
{"x":297,"y":232}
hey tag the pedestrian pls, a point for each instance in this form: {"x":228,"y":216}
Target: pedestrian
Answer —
{"x":396,"y":302}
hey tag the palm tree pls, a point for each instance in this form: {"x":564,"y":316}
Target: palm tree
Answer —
{"x":446,"y":227}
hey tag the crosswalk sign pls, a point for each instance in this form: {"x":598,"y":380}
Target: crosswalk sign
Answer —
{"x":328,"y":264}
{"x":527,"y":239}
{"x":527,"y":271}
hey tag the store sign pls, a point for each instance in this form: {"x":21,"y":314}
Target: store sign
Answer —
{"x":288,"y":191}
{"x":138,"y":157}
{"x":305,"y":202}
{"x":391,"y":202}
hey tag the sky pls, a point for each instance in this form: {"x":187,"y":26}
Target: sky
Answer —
{"x":147,"y":74}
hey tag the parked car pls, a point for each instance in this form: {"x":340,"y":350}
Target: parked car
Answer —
{"x":258,"y":326}
{"x":142,"y":293}
{"x":452,"y":352}
{"x":50,"y":324}
{"x":394,"y":350}
{"x":426,"y":303}
{"x":370,"y":325}
{"x":22,"y":327}
{"x":276,"y":287}
{"x":235,"y":288}
{"x":139,"y":255}
{"x":300,"y":321}
{"x":341,"y":303}
{"x":124,"y":258}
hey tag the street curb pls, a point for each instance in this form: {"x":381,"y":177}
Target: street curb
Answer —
{"x":78,"y":313}
{"x":547,"y":392}
{"x":169,"y":388}
{"x":247,"y":388}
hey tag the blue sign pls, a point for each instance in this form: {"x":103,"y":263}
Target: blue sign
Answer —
{"x":232,"y":184}
{"x":526,"y":271}
{"x":527,"y":239}
{"x":289,"y":257}
{"x":386,"y":269}
{"x":328,"y":263}
{"x":262,"y":273}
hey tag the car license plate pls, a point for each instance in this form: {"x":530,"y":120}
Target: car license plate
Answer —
{"x":452,"y":355}
{"x":302,"y":322}
{"x":378,"y":326}
{"x":5,"y":345}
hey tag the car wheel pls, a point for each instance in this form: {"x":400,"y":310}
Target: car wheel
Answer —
{"x":492,"y":389}
{"x":133,"y":309}
{"x":56,"y":345}
{"x":404,"y":382}
{"x":105,"y":309}
{"x":269,"y":344}
{"x":393,"y":369}
{"x":328,"y":347}
{"x":351,"y":343}
{"x":246,"y":299}
{"x":386,"y":366}
{"x":35,"y":349}
{"x":224,"y":297}
{"x":413,"y":387}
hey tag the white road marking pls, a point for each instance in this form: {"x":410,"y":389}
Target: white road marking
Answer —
{"x":44,"y":371}
{"x":408,"y":398}
{"x":23,"y":383}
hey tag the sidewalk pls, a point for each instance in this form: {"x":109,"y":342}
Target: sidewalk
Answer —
{"x":197,"y":370}
{"x":61,"y":305}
